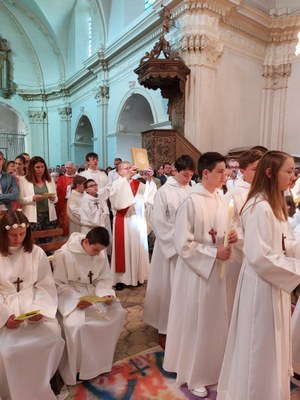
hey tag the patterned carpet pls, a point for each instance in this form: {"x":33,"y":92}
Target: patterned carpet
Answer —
{"x":140,"y":377}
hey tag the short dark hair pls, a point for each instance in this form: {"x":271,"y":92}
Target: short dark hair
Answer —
{"x":184,"y":162}
{"x":9,"y":219}
{"x":166,"y":163}
{"x":91,"y":155}
{"x":86,"y":182}
{"x":209,"y":161}
{"x":249,"y":157}
{"x":98,"y":235}
{"x":118,"y":159}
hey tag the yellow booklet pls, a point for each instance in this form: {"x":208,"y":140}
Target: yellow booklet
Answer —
{"x":96,"y":299}
{"x":27,"y":315}
{"x":46,"y":194}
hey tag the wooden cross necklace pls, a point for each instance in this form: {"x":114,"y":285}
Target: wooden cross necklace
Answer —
{"x":17,"y":282}
{"x":90,"y":275}
{"x":213,"y":233}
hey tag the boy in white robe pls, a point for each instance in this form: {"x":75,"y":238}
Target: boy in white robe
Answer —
{"x":199,"y":308}
{"x":257,"y":362}
{"x":130,"y":259}
{"x":74,"y":204}
{"x":99,"y":177}
{"x":94,"y":210}
{"x":166,"y":202}
{"x":30,"y":349}
{"x":91,"y":330}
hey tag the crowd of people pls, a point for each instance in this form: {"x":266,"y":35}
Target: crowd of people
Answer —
{"x":218,"y":245}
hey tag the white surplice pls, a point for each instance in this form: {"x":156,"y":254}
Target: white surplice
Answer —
{"x":201,"y":301}
{"x":162,"y":268}
{"x":257,"y":361}
{"x":296,"y":338}
{"x":94,"y":212}
{"x":101,"y":179}
{"x":30,"y":354}
{"x":73,"y":209}
{"x":91,"y":334}
{"x":135,"y":231}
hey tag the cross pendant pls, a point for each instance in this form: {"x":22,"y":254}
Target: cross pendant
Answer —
{"x":213,"y":233}
{"x":17,"y":282}
{"x":90,"y":276}
{"x":97,"y":204}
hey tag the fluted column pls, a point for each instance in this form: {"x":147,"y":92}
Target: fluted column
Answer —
{"x":38,"y":138}
{"x":65,"y":114}
{"x":102,"y":97}
{"x":277,"y":69}
{"x":202,"y":50}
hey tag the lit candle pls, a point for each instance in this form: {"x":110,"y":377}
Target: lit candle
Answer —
{"x":227,"y":231}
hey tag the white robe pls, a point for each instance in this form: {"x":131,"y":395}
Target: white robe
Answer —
{"x":101,"y":179}
{"x":135,"y":231}
{"x":91,"y":334}
{"x":94,"y":212}
{"x":73,"y":210}
{"x":201,"y":302}
{"x":257,"y":361}
{"x":30,"y":354}
{"x":162,"y":268}
{"x":296,"y":338}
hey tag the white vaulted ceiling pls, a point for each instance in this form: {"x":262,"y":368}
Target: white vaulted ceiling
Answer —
{"x":49,"y":38}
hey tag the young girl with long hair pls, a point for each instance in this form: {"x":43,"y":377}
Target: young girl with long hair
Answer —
{"x":257,"y":361}
{"x":30,"y":347}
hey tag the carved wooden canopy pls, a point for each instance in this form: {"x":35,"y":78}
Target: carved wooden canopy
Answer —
{"x":168,"y":74}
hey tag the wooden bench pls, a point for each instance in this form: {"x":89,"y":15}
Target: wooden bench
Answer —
{"x":54,"y":244}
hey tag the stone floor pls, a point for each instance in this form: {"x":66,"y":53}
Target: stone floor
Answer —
{"x":136,"y":336}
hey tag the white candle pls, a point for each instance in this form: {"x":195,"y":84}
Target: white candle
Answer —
{"x":227,"y":231}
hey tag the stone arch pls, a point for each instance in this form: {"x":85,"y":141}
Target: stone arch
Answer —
{"x":135,"y":117}
{"x":83,"y":139}
{"x":12,"y":132}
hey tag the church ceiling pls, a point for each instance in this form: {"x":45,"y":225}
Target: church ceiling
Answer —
{"x":43,"y":34}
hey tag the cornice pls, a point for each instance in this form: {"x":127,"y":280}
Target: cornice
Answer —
{"x":245,"y":25}
{"x":216,"y":7}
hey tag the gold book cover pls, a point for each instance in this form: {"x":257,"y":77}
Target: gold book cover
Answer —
{"x":140,"y":158}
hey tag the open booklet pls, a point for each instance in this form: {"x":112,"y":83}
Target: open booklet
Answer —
{"x":97,"y":299}
{"x":27,"y":315}
{"x":46,"y":194}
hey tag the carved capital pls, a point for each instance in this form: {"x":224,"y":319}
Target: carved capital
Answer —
{"x":210,"y":49}
{"x":37,"y":117}
{"x":102,"y":95}
{"x":65,"y":113}
{"x":276,"y":76}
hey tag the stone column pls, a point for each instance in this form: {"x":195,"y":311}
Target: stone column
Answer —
{"x":38,"y":131}
{"x":202,"y":49}
{"x":65,"y":133}
{"x":102,"y":97}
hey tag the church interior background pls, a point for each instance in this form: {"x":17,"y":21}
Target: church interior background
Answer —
{"x":68,"y":86}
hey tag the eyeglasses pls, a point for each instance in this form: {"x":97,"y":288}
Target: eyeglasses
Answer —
{"x":92,"y":186}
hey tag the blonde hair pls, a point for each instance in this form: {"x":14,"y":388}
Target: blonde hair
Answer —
{"x":268,"y":185}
